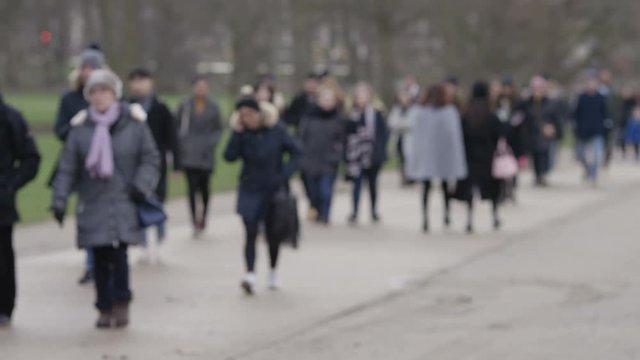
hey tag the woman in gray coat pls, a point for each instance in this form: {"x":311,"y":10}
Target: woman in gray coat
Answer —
{"x":199,"y":131}
{"x":110,"y":158}
{"x":437,"y":150}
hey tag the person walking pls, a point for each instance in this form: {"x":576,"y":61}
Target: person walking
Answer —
{"x":303,"y":102}
{"x":513,"y":129}
{"x":261,"y":143}
{"x":19,"y":163}
{"x":321,"y":133}
{"x":72,"y":102}
{"x":163,"y":127}
{"x":591,"y":116}
{"x":199,"y":131}
{"x":366,"y":148}
{"x":482,"y":129}
{"x":401,"y":122}
{"x":632,"y":132}
{"x":615,"y":107}
{"x":111,"y":159}
{"x":438,"y":151}
{"x":543,"y":124}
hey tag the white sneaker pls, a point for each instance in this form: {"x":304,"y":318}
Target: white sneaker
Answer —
{"x":145,"y":257}
{"x":274,"y":281}
{"x":248,"y":283}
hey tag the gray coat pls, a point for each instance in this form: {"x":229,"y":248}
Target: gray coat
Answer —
{"x":198,"y":135}
{"x":438,"y":148}
{"x":322,"y":135}
{"x":105,"y":212}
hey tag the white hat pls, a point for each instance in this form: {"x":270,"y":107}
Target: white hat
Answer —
{"x":103,"y":77}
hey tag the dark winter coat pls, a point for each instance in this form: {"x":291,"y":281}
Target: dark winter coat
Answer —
{"x":300,"y":106}
{"x":514,"y":128}
{"x":19,"y":160}
{"x":322,"y":136}
{"x":165,"y":135}
{"x":105,"y":213}
{"x":72,"y":103}
{"x":481,"y":129}
{"x":537,"y":114}
{"x":590,"y":116}
{"x":198,"y":135}
{"x":263,"y":168}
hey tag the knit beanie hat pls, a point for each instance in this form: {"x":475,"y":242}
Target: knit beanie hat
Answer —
{"x":103,"y":77}
{"x":92,"y":57}
{"x":248,"y":102}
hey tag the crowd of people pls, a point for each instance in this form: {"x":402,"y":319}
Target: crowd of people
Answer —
{"x":118,"y":150}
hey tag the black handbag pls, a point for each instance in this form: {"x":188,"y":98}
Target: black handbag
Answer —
{"x":283,"y":223}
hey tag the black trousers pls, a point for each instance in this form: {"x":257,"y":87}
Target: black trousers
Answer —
{"x":198,"y":184}
{"x":7,"y":271}
{"x":541,"y":163}
{"x":252,"y":228}
{"x":111,"y":276}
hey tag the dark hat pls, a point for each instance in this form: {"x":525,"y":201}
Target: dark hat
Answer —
{"x":507,"y":80}
{"x":480,"y":90}
{"x":140,"y":73}
{"x":92,"y":57}
{"x":453,"y":80}
{"x":248,"y":102}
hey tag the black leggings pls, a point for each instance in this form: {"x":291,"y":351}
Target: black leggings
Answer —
{"x":251,"y":228}
{"x":425,"y":201}
{"x":7,"y":271}
{"x":198,"y":182}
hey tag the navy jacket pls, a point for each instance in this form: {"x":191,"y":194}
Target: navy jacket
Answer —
{"x":591,"y":115}
{"x":263,"y":170}
{"x":72,"y":102}
{"x":19,"y":160}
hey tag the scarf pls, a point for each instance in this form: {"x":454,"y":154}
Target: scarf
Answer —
{"x":99,"y":161}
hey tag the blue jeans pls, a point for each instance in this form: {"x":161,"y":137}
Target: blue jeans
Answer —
{"x":89,"y":260}
{"x":591,"y":155}
{"x":320,"y":188}
{"x":371,"y":175}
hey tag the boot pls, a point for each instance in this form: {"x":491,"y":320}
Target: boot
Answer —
{"x":104,"y":320}
{"x":121,"y":314}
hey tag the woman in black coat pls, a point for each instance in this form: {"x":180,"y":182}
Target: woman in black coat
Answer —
{"x":481,"y":128}
{"x":261,"y":143}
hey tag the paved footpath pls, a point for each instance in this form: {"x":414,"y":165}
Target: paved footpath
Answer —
{"x":560,"y":281}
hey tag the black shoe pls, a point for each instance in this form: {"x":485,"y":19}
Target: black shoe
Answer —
{"x":353,"y":219}
{"x":469,"y":229}
{"x":87,"y":278}
{"x":497,"y":224}
{"x":375,"y":217}
{"x":447,"y":221}
{"x":247,"y":287}
{"x":425,"y":227}
{"x":5,"y":321}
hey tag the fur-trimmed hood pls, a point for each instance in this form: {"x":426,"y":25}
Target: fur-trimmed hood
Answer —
{"x":136,"y":111}
{"x":269,"y":112}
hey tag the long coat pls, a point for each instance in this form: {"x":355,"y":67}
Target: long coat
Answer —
{"x":19,"y":160}
{"x":322,"y":136}
{"x":481,"y":129}
{"x":105,"y":212}
{"x":438,"y":149}
{"x":163,"y":129}
{"x":198,"y":135}
{"x":263,"y":170}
